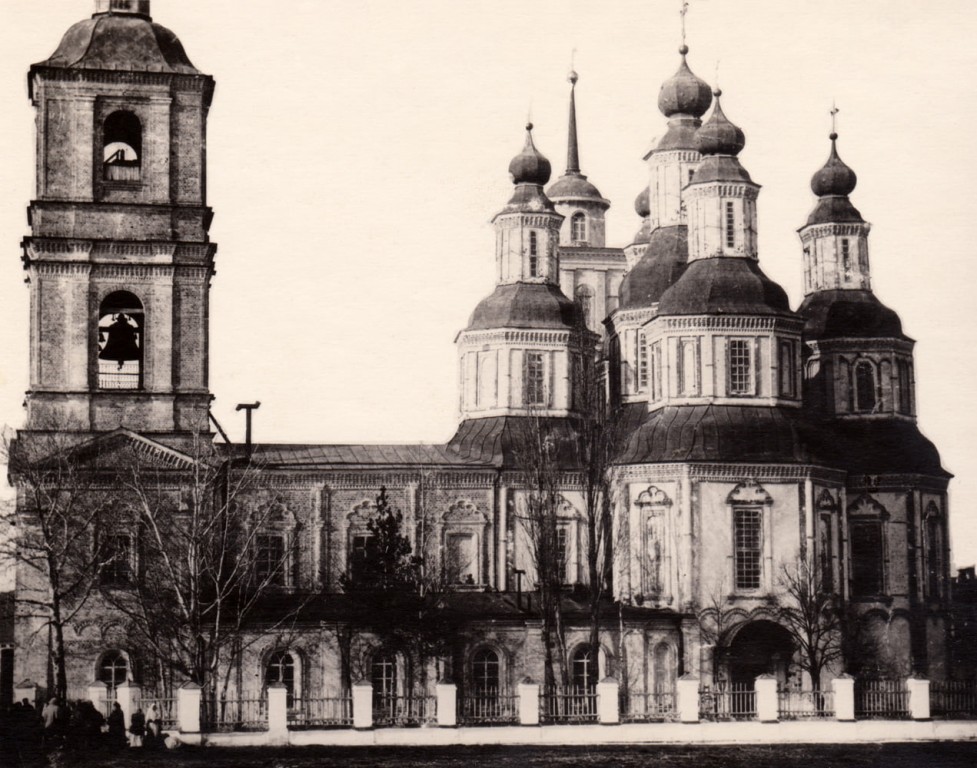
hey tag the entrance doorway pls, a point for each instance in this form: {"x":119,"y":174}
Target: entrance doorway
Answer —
{"x":759,"y":648}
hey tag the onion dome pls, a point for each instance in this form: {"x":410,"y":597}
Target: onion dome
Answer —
{"x":718,"y":136}
{"x":642,"y":203}
{"x":660,"y":266}
{"x":846,"y":313}
{"x":575,"y":186}
{"x":121,"y":36}
{"x":684,"y":93}
{"x":529,"y":166}
{"x":724,"y":286}
{"x":835,"y":178}
{"x":525,"y":305}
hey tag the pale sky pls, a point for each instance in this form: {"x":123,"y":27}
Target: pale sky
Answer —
{"x":358,"y":150}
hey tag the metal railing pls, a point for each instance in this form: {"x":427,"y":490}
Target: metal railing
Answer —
{"x":656,"y":706}
{"x":488,"y":707}
{"x":568,"y":705}
{"x":244,"y":714}
{"x":728,"y":701}
{"x":327,"y":712}
{"x":798,"y":705}
{"x":165,"y":707}
{"x":404,"y":711}
{"x":881,"y":698}
{"x":953,"y":699}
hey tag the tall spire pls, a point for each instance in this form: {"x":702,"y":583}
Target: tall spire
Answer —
{"x":573,"y":153}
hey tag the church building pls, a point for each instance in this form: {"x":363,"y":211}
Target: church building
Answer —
{"x":755,"y":437}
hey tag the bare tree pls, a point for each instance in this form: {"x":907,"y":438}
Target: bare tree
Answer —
{"x":716,"y":619}
{"x":52,"y":533}
{"x":811,"y":614}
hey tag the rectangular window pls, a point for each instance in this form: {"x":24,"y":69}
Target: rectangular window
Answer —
{"x":739,"y":367}
{"x":747,"y":547}
{"x":642,"y":361}
{"x":360,"y":546}
{"x":867,"y":575}
{"x":461,"y":560}
{"x":730,"y":226}
{"x":846,"y":256}
{"x":688,"y":366}
{"x":934,"y":557}
{"x":534,"y":371}
{"x":656,"y":371}
{"x":788,"y":370}
{"x":533,"y":255}
{"x":826,"y":553}
{"x":116,"y":559}
{"x":562,"y":555}
{"x":270,"y":559}
{"x":905,"y":387}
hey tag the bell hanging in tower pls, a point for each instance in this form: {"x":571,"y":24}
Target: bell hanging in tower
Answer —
{"x":122,"y":343}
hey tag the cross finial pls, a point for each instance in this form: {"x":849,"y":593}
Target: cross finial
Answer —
{"x":717,"y":75}
{"x":834,"y":112}
{"x":685,"y":10}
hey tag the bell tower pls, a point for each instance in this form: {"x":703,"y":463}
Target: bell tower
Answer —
{"x":119,"y":260}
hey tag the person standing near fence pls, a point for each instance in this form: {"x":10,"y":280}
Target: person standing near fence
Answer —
{"x":137,"y":727}
{"x":117,"y":727}
{"x":153,"y":726}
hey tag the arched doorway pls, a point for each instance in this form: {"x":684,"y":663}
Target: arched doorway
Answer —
{"x":759,"y":648}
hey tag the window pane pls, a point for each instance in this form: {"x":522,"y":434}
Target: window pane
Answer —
{"x":461,"y":560}
{"x":865,"y":387}
{"x":866,"y":558}
{"x":270,"y":559}
{"x":562,"y":555}
{"x":740,"y":365}
{"x":730,"y":226}
{"x":747,"y":548}
{"x":117,"y":560}
{"x":642,"y":361}
{"x":534,"y":371}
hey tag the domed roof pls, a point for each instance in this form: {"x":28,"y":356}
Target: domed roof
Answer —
{"x":525,"y":305}
{"x":642,"y":203}
{"x":834,"y":209}
{"x":684,"y":93}
{"x":529,"y":166}
{"x":724,"y":286}
{"x":659,"y":268}
{"x":575,"y":185}
{"x":125,"y":41}
{"x":840,"y":314}
{"x":718,"y":136}
{"x":680,"y":135}
{"x":835,"y":178}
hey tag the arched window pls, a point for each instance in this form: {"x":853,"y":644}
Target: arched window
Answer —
{"x":383,"y":675}
{"x":120,"y":340}
{"x":865,"y":397}
{"x":578,"y":228}
{"x":122,"y":147}
{"x":113,"y":670}
{"x":486,"y":672}
{"x":282,"y":668}
{"x":584,"y":668}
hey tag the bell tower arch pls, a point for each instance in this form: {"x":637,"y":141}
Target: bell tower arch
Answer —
{"x":119,"y":260}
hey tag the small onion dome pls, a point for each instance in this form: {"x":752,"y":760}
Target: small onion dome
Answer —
{"x":642,"y":204}
{"x":845,"y":313}
{"x":684,"y":93}
{"x":525,"y":305}
{"x":658,"y":269}
{"x":574,"y":185}
{"x":718,"y":136}
{"x":724,"y":286}
{"x":835,"y":178}
{"x":529,"y":166}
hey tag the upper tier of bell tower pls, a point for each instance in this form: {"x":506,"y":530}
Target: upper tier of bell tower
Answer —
{"x":119,"y":258}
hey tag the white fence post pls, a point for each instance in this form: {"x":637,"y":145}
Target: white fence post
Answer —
{"x":765,"y":689}
{"x":277,"y":712}
{"x":128,"y":695}
{"x":844,"y":688}
{"x":528,"y":703}
{"x":363,"y":705}
{"x":188,"y":708}
{"x":608,"y":701}
{"x":447,"y":696}
{"x":687,"y":698}
{"x":919,"y":698}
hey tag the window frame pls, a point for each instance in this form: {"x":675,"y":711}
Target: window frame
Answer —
{"x":787,"y":368}
{"x":748,"y":547}
{"x":687,"y":387}
{"x":578,"y":228}
{"x":860,"y":392}
{"x":534,"y":389}
{"x":117,"y":572}
{"x":864,"y":584}
{"x":729,"y":224}
{"x":533,"y":254}
{"x":747,"y":364}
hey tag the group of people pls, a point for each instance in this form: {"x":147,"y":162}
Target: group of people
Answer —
{"x":78,"y":726}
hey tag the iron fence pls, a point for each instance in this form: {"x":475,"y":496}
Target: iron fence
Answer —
{"x":404,"y":711}
{"x":656,"y":706}
{"x":881,"y":698}
{"x":799,"y":705}
{"x":568,"y":705}
{"x":241,"y":714}
{"x":953,"y":699}
{"x":489,"y":707}
{"x":165,"y":708}
{"x":728,"y":701}
{"x":326,"y":712}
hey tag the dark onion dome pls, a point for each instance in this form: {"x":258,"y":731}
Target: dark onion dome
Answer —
{"x":525,"y":305}
{"x":880,"y":447}
{"x":680,"y":135}
{"x":723,"y":433}
{"x":848,"y":313}
{"x":834,"y":209}
{"x":718,"y":136}
{"x":684,"y":93}
{"x":724,"y":286}
{"x":835,"y":178}
{"x":576,"y":186}
{"x":658,"y":269}
{"x":642,"y":203}
{"x":126,"y":41}
{"x":529,"y":166}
